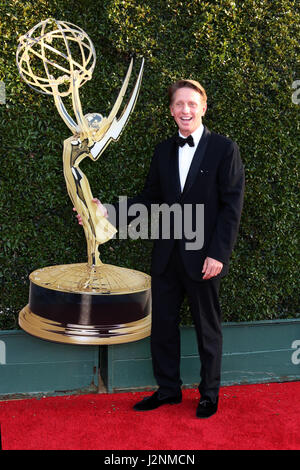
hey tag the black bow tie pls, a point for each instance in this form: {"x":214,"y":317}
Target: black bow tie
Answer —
{"x":181,"y":141}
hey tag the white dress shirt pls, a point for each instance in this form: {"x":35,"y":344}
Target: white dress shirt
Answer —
{"x":186,"y":153}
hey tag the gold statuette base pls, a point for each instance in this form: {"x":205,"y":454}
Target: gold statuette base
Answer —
{"x":79,"y":304}
{"x":86,"y":335}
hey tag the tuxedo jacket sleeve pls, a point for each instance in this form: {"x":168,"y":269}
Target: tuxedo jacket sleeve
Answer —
{"x":150,"y":194}
{"x":230,"y":184}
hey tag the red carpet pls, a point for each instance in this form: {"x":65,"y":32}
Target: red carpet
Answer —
{"x":250,"y":417}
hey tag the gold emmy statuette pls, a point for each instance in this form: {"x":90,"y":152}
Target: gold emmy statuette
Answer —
{"x":92,"y":303}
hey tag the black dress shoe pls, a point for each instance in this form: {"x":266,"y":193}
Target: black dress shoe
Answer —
{"x":153,"y":402}
{"x":206,"y":408}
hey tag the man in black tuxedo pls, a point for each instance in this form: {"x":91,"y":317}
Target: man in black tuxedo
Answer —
{"x":194,"y":168}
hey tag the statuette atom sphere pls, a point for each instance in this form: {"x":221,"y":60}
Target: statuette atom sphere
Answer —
{"x":52,"y":53}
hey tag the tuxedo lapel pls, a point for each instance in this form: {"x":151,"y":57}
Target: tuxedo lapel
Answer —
{"x":174,"y":170}
{"x":196,"y":162}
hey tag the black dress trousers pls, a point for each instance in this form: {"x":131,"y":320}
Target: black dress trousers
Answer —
{"x":168,"y":292}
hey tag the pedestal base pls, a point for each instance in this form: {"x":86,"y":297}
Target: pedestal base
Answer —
{"x":79,"y":304}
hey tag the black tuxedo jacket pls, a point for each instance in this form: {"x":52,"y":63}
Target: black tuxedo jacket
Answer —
{"x":216,"y":181}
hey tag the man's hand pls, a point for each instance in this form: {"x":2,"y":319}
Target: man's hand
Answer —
{"x":211,"y":268}
{"x":101,"y":207}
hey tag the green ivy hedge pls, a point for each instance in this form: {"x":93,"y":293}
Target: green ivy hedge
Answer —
{"x":244,"y":53}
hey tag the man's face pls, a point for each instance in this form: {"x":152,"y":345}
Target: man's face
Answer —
{"x":187,"y":108}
